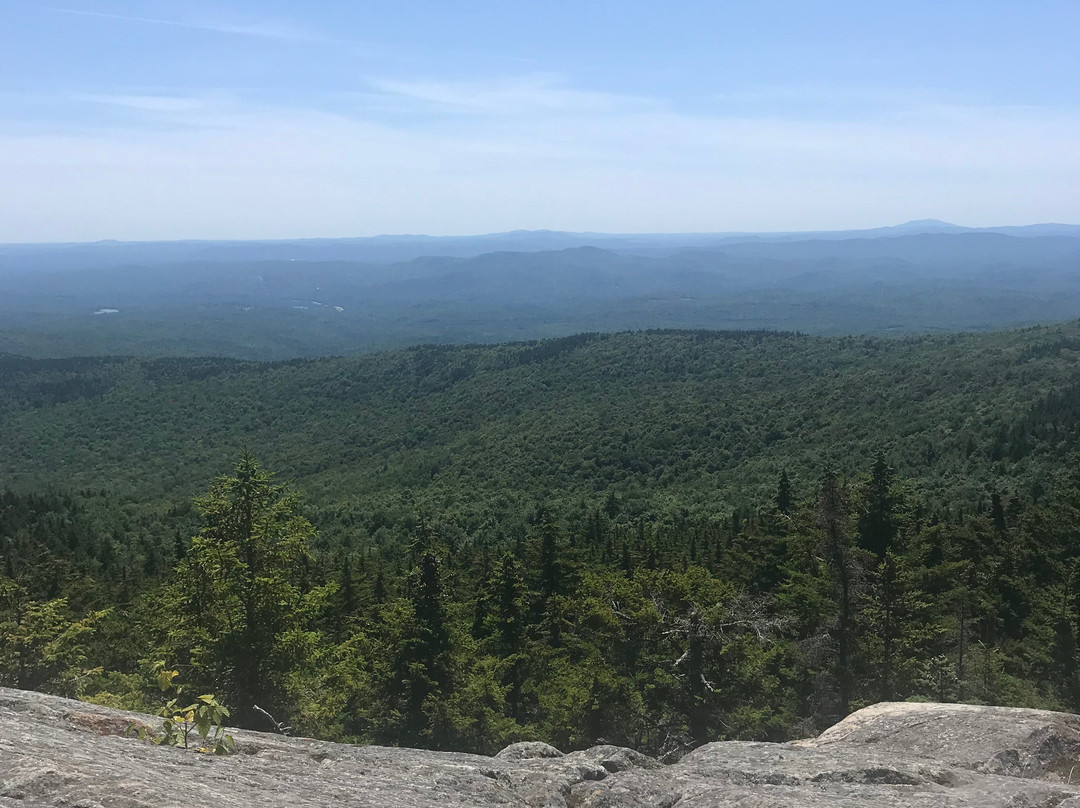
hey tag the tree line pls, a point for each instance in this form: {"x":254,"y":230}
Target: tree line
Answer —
{"x":769,"y":623}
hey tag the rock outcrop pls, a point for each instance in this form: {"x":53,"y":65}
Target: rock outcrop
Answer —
{"x":60,"y":753}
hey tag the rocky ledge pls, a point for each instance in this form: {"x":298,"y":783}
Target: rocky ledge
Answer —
{"x":57,"y":752}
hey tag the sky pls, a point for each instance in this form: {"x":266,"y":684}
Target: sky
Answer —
{"x":202,"y":119}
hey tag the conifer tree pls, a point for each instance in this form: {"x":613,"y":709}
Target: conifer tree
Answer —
{"x":239,"y":591}
{"x":417,"y":640}
{"x":509,"y":635}
{"x":783,"y":497}
{"x":877,"y":523}
{"x":997,"y":512}
{"x":831,"y":519}
{"x":346,"y":588}
{"x":424,"y":656}
{"x":550,"y":578}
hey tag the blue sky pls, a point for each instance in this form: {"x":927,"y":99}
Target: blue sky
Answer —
{"x":201,"y":119}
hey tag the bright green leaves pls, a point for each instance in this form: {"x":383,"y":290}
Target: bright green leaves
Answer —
{"x":41,"y":646}
{"x":203,"y":716}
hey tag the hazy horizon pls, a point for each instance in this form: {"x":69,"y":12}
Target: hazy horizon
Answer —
{"x":899,"y":227}
{"x":145,"y":121}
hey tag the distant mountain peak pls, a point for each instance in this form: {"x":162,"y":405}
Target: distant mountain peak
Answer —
{"x":925,"y":223}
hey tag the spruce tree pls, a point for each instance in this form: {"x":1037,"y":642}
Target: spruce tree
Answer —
{"x":782,"y":499}
{"x":831,"y":518}
{"x":240,"y":592}
{"x":877,"y":523}
{"x":426,"y":653}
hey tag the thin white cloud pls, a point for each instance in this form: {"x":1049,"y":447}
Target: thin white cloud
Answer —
{"x":266,"y":30}
{"x":148,"y":103}
{"x":533,"y":153}
{"x":852,"y":96}
{"x":537,"y":93}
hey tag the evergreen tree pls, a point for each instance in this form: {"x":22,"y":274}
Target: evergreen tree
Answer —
{"x":419,"y":677}
{"x":239,"y":594}
{"x":898,"y":629}
{"x":877,"y":523}
{"x":783,"y":496}
{"x":831,"y":518}
{"x":550,"y":580}
{"x":346,"y":589}
{"x":509,"y":633}
{"x":997,"y":512}
{"x":41,"y":646}
{"x":378,"y":590}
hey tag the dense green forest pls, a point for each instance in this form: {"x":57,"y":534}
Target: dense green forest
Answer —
{"x":652,"y":539}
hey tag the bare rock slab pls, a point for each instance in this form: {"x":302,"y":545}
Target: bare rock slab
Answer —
{"x":995,"y":740}
{"x":57,"y":753}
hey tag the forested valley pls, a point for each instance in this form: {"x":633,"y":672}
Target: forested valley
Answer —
{"x":651,"y":539}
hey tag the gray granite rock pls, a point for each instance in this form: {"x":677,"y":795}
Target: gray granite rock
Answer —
{"x":616,"y":758}
{"x":994,"y":740}
{"x":529,"y":750}
{"x":56,"y":753}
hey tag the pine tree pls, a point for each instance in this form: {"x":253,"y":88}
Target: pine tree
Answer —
{"x":509,"y":634}
{"x":831,"y":518}
{"x":378,"y":591}
{"x":240,"y":594}
{"x":877,"y":523}
{"x":550,"y":573}
{"x":997,"y":512}
{"x":897,"y":626}
{"x":348,"y":594}
{"x":783,"y":499}
{"x":424,"y":656}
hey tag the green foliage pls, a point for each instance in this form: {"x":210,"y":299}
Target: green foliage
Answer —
{"x":705,"y":419}
{"x":625,"y":539}
{"x":238,"y":609}
{"x":203,"y":716}
{"x":41,"y":646}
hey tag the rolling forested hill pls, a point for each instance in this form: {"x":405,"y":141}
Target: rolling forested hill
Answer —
{"x":711,"y":418}
{"x":286,"y":300}
{"x":650,"y":538}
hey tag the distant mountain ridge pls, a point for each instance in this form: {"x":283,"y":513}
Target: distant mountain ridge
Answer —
{"x":268,"y":303}
{"x":396,"y":248}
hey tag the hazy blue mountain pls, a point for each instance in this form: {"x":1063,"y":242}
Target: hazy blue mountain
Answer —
{"x":960,"y":251}
{"x":274,"y":308}
{"x":395,"y":249}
